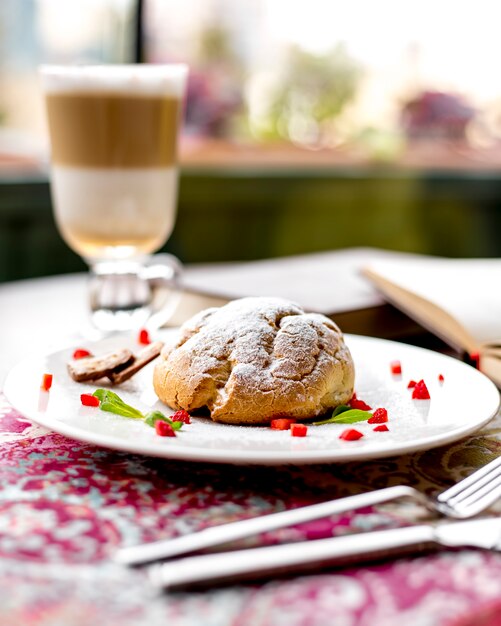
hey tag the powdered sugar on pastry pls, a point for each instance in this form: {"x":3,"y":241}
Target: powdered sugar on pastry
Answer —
{"x":256,"y":359}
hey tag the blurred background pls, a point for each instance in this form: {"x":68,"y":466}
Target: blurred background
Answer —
{"x":309,"y":124}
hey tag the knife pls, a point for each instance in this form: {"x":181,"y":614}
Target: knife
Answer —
{"x":224,"y":533}
{"x":254,"y":563}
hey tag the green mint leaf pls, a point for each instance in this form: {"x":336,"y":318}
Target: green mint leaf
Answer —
{"x":112,"y":403}
{"x":342,"y":408}
{"x":105,"y":395}
{"x":124,"y":410}
{"x":152,"y":417}
{"x":99,"y":393}
{"x":350,"y":416}
{"x":155,"y":416}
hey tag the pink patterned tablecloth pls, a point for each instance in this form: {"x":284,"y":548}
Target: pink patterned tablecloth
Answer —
{"x":66,"y":506}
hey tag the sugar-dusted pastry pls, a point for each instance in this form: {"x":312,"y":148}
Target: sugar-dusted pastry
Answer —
{"x":256,"y":359}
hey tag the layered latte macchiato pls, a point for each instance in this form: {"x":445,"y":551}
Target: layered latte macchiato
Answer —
{"x":113,"y":134}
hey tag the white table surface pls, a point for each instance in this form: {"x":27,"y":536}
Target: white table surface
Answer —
{"x":38,"y":314}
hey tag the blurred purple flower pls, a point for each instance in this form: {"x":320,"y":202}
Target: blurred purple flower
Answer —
{"x":212,"y":99}
{"x":436,"y":114}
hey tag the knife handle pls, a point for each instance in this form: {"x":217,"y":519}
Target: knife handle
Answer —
{"x":224,"y":533}
{"x":209,"y":569}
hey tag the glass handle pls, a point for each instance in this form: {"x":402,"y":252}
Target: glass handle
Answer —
{"x":163,"y":274}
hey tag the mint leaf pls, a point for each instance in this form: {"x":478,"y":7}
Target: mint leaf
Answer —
{"x":342,"y":408}
{"x":352,"y":416}
{"x":346,"y":416}
{"x":123,"y":410}
{"x":111,"y":402}
{"x":155,"y":416}
{"x":105,"y":395}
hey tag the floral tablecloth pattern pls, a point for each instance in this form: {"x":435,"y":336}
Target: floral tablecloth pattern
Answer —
{"x":66,"y":506}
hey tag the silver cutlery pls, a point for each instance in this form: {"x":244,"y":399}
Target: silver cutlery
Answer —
{"x":465,"y":499}
{"x":210,"y":569}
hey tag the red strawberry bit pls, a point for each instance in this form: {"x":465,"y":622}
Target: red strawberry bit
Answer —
{"x":144,"y":337}
{"x":181,"y":416}
{"x":350,"y":434}
{"x":378,"y":417}
{"x":420,"y":391}
{"x":46,"y":382}
{"x":88,"y":399}
{"x":381,"y":428}
{"x":163,"y":429}
{"x":441,"y":378}
{"x":281,"y":423}
{"x":299,"y":430}
{"x":359,"y":404}
{"x":80,"y":353}
{"x":396,"y":368}
{"x":412,"y":384}
{"x":474,"y":359}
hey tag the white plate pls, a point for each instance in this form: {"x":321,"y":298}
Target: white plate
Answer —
{"x":462,"y":404}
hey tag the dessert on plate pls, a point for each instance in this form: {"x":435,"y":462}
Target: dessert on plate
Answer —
{"x":254,"y":360}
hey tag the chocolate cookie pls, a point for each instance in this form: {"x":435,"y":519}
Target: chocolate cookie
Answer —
{"x":96,"y":367}
{"x":142,"y":358}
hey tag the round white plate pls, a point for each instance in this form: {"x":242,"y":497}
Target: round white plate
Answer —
{"x":463,"y":403}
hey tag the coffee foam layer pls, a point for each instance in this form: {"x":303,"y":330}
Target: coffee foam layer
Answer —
{"x":127,"y":79}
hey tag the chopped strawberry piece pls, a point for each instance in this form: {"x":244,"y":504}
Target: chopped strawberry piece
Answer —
{"x":80,"y":353}
{"x":350,"y":434}
{"x":378,"y":417}
{"x":144,"y":337}
{"x":181,"y":416}
{"x":441,"y":378}
{"x":381,"y":428}
{"x":46,"y":382}
{"x":163,"y":429}
{"x":299,"y":430}
{"x":88,"y":399}
{"x":396,"y":367}
{"x":281,"y":423}
{"x":420,"y":391}
{"x":359,"y":404}
{"x":474,"y":360}
{"x":412,"y":384}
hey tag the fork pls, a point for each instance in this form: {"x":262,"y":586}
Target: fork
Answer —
{"x":464,"y":500}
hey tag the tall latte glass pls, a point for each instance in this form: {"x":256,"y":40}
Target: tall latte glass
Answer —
{"x":114,"y":134}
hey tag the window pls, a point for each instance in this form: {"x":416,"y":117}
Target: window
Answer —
{"x":350,"y":82}
{"x":386,"y":80}
{"x":51,"y":31}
